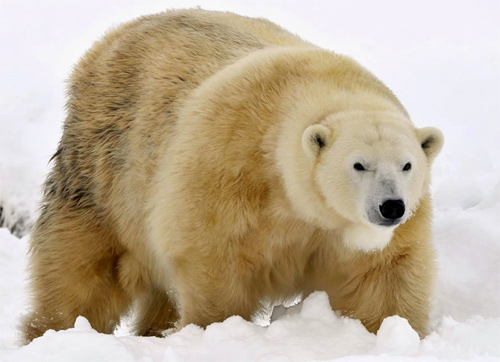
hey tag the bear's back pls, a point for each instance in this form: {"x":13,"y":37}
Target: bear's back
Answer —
{"x":123,"y":100}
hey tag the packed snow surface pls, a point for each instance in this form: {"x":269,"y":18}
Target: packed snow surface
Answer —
{"x":441,"y":58}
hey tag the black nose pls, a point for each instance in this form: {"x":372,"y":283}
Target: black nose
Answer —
{"x":392,"y":209}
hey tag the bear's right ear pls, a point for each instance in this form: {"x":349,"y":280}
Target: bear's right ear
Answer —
{"x":315,"y":138}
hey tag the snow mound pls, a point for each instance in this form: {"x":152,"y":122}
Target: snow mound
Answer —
{"x":397,"y":337}
{"x":17,"y":220}
{"x":306,"y":332}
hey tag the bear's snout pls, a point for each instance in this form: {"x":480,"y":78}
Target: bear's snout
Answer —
{"x":392,"y":209}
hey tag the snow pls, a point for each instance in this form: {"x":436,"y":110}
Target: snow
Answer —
{"x":441,"y":58}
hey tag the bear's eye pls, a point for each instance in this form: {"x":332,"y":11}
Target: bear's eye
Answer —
{"x":359,"y":167}
{"x":407,"y":167}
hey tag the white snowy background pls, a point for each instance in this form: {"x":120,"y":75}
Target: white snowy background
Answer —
{"x":442,"y":58}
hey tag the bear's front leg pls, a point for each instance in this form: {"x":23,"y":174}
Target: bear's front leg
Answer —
{"x":212,"y":288}
{"x":401,"y":286}
{"x":397,"y":280}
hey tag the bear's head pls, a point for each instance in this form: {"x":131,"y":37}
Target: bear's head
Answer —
{"x":369,"y":170}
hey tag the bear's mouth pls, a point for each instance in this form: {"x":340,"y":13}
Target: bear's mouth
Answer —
{"x":388,"y":222}
{"x":376,"y":219}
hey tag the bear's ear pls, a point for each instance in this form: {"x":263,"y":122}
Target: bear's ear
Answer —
{"x":431,"y":139}
{"x":315,"y":138}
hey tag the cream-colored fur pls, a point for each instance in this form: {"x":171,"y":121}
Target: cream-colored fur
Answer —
{"x":190,"y":179}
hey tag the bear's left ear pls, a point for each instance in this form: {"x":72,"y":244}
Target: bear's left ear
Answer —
{"x":431,"y":139}
{"x":315,"y":138}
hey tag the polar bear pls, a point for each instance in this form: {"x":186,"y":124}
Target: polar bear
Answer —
{"x":211,"y":161}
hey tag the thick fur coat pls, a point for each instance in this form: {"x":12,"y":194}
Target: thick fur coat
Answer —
{"x":182,"y":183}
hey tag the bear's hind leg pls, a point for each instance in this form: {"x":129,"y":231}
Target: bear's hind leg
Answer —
{"x":73,"y":266}
{"x":156,"y":313}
